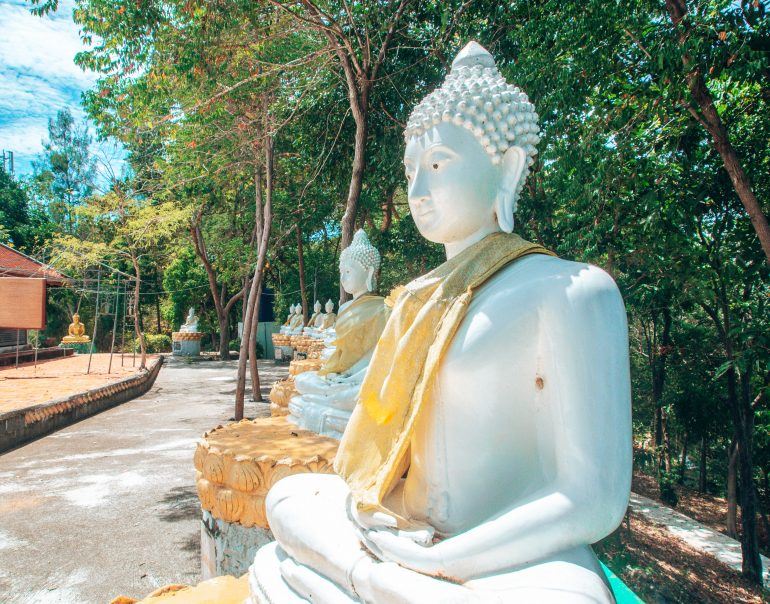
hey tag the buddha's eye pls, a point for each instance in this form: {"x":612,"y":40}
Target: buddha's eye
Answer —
{"x":435,"y":166}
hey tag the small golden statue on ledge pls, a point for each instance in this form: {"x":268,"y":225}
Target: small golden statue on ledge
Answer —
{"x":76,"y":332}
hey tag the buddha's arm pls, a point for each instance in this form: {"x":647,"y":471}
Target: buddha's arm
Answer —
{"x":356,"y":372}
{"x":585,"y":327}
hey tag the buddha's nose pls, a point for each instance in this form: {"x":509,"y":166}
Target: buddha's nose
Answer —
{"x":418,"y":190}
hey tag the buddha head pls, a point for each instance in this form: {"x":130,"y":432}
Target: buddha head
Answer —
{"x":75,"y":318}
{"x":329,"y":307}
{"x":359,"y":263}
{"x":469,"y":145}
{"x":317,"y":307}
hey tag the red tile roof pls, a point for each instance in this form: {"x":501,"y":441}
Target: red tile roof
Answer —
{"x":15,"y":264}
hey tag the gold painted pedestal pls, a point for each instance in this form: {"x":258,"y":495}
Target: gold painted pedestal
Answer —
{"x":237,"y":464}
{"x":235,"y":467}
{"x":281,"y":392}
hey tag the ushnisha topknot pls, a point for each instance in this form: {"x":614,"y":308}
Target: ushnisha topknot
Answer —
{"x":361,"y":250}
{"x":475,"y":96}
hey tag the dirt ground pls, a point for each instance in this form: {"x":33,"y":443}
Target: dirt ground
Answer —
{"x":660,"y":568}
{"x":55,"y":378}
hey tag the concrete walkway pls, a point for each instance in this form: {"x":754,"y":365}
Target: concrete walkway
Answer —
{"x":108,"y":506}
{"x":695,"y":534}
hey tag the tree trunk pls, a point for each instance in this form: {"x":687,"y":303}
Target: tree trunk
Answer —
{"x":683,"y":461}
{"x":256,"y":389}
{"x":252,"y":307}
{"x":217,"y":294}
{"x":703,"y":470}
{"x":301,"y":263}
{"x":387,"y":211}
{"x":348,"y":222}
{"x":707,"y":115}
{"x":751,"y":567}
{"x":732,"y":491}
{"x":658,"y":367}
{"x":666,"y":451}
{"x":224,"y":336}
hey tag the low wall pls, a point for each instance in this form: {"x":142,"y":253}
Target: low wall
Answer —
{"x":23,"y":425}
{"x":27,"y":356}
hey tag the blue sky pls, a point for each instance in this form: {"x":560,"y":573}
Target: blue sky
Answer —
{"x":38,"y":76}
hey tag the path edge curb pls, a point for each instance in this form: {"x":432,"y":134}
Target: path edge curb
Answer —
{"x":24,"y":425}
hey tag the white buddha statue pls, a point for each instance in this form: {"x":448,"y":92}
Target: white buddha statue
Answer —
{"x":321,"y":322}
{"x":326,"y":398}
{"x":285,"y":327}
{"x":492,"y":439}
{"x":315,"y":319}
{"x":191,"y":323}
{"x":329,"y":320}
{"x":297,"y":323}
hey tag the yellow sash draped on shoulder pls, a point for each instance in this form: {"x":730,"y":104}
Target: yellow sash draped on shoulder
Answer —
{"x":371,"y":456}
{"x":358,"y":328}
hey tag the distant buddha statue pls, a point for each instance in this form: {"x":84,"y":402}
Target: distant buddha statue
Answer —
{"x":322,"y":324}
{"x":491,"y":441}
{"x":327,"y":397}
{"x":297,"y":323}
{"x":191,"y":323}
{"x":289,"y":320}
{"x":329,"y":317}
{"x":76,"y":332}
{"x":289,"y":317}
{"x":316,"y":318}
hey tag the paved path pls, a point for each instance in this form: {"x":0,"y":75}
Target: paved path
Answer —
{"x":695,"y":534}
{"x":108,"y":506}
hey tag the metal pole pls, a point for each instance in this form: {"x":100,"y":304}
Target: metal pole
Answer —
{"x":96,"y":318}
{"x":114,"y":323}
{"x":18,"y":335}
{"x":123,"y":332}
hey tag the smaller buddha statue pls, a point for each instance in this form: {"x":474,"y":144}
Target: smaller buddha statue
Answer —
{"x":291,"y":321}
{"x":76,"y":333}
{"x":191,"y":323}
{"x":316,"y":317}
{"x":321,"y":322}
{"x":330,"y":317}
{"x":289,"y":317}
{"x":327,"y":397}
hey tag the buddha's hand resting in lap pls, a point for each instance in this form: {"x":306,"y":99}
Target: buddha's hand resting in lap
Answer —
{"x":410,"y":549}
{"x":372,"y":581}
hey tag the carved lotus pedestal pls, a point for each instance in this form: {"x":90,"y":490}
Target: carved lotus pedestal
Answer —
{"x":81,"y":347}
{"x":236,"y":465}
{"x":282,"y":347}
{"x":281,"y":392}
{"x":186,"y":343}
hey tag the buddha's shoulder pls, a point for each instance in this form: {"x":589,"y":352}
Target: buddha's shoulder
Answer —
{"x":543,"y":279}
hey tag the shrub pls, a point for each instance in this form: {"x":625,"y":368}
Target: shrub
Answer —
{"x":157,"y":342}
{"x":667,"y":491}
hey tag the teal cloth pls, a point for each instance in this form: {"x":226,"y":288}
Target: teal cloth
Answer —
{"x":621,"y":591}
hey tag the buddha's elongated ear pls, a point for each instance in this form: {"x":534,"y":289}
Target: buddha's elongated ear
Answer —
{"x":371,"y":281}
{"x":513,"y":167}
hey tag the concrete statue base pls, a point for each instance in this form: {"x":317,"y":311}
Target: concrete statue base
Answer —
{"x":186,"y":344}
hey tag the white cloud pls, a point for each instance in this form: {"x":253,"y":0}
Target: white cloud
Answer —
{"x":38,"y":76}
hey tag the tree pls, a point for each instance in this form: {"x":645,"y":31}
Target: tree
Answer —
{"x":65,"y":171}
{"x":120,"y":227}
